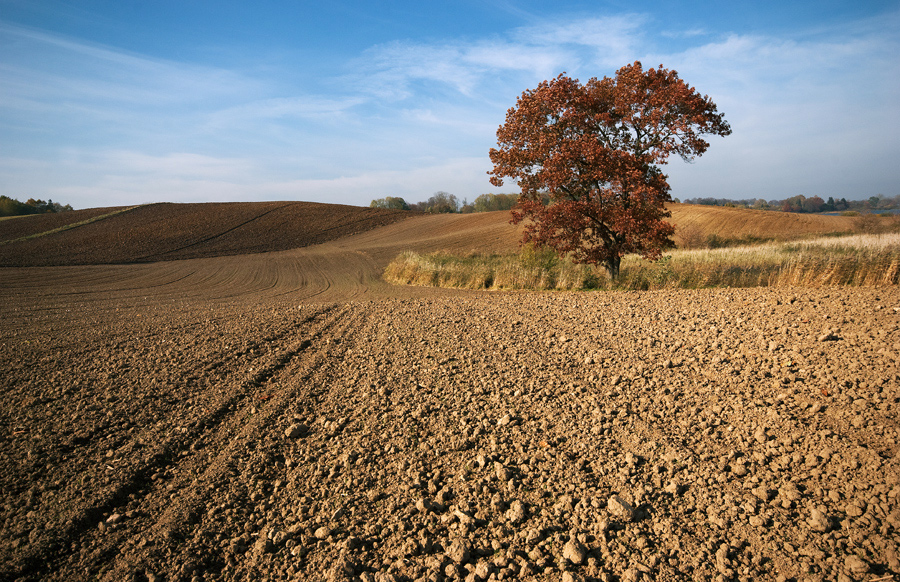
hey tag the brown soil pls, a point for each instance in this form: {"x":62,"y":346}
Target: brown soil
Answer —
{"x":288,"y":416}
{"x":165,"y":232}
{"x":744,"y":222}
{"x":12,"y":228}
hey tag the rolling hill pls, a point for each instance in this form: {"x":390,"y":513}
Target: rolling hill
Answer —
{"x":166,"y":232}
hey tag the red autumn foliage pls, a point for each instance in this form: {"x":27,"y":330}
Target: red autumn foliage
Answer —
{"x":586,"y":158}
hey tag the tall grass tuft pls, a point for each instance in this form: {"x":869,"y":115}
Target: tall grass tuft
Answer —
{"x":858,"y":260}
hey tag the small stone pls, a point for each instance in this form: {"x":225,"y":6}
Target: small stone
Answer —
{"x":296,"y":430}
{"x":574,"y":552}
{"x":482,"y":570}
{"x":818,"y":521}
{"x":854,"y":509}
{"x":464,"y":517}
{"x":503,"y":473}
{"x":114,"y":519}
{"x":762,"y":493}
{"x":264,"y":545}
{"x":423,"y":505}
{"x":516,"y":512}
{"x":856,"y":565}
{"x":458,"y":552}
{"x":760,"y":435}
{"x":620,"y":508}
{"x":572,"y":577}
{"x":322,"y":533}
{"x":738,"y":470}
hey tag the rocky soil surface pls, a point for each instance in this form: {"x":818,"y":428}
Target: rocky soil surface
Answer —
{"x":704,"y":435}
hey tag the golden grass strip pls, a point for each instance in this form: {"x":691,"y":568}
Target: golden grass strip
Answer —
{"x":857,"y":260}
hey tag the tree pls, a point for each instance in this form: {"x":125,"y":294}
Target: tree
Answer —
{"x":439,"y":202}
{"x":390,"y":202}
{"x":12,"y":207}
{"x":493,"y":202}
{"x":594,"y":151}
{"x":813,"y":204}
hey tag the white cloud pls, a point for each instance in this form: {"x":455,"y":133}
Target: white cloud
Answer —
{"x":91,"y":125}
{"x":537,"y":52}
{"x":810,"y":115}
{"x":311,"y":108}
{"x":119,"y":186}
{"x":610,"y":41}
{"x":54,"y":70}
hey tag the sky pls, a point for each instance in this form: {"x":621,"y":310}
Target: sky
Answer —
{"x":119,"y":102}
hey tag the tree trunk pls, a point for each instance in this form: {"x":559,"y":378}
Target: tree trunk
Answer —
{"x":612,"y":267}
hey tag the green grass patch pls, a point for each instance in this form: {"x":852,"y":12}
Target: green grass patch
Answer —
{"x":856,"y":260}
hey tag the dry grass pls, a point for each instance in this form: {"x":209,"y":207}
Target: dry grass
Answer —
{"x":858,"y":260}
{"x":529,"y":269}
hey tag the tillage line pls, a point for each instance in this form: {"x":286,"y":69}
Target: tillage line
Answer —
{"x":41,"y":557}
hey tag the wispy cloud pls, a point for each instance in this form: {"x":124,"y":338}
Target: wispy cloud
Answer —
{"x":535,"y":52}
{"x":94,"y":125}
{"x":51,"y":69}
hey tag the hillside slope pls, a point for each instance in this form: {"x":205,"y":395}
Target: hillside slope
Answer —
{"x":164,"y":232}
{"x":342,"y":268}
{"x":742,"y":222}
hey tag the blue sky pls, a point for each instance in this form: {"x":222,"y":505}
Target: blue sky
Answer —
{"x":106,"y":103}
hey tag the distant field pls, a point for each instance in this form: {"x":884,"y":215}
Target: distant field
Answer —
{"x":163,"y":232}
{"x":737,"y":223}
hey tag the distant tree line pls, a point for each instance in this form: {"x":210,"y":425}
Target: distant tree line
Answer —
{"x":446,"y":203}
{"x":801,"y":203}
{"x":12,"y":207}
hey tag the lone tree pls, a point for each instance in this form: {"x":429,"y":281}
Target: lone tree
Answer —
{"x":586,"y":158}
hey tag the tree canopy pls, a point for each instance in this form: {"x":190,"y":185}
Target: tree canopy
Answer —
{"x":439,"y":203}
{"x":393,"y":202}
{"x":12,"y":207}
{"x":586,"y":158}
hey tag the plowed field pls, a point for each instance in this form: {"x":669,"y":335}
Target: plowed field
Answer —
{"x":288,"y":416}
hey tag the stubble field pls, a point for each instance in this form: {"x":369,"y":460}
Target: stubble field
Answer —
{"x":290,"y":416}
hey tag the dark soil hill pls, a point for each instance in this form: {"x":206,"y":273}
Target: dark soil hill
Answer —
{"x":163,"y":232}
{"x":16,"y":227}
